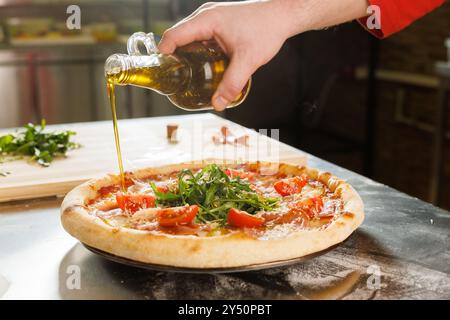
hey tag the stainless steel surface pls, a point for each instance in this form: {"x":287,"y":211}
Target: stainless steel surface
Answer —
{"x":66,"y":86}
{"x":64,"y":82}
{"x":32,"y":246}
{"x":404,"y":243}
{"x":15,"y":97}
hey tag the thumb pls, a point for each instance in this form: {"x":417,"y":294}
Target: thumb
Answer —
{"x":234,"y":80}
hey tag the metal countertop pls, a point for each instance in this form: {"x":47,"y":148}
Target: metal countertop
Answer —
{"x":402,"y":250}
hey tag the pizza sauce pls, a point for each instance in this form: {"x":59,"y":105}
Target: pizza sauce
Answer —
{"x":216,"y":201}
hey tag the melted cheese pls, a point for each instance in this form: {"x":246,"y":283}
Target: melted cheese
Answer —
{"x":279,"y":222}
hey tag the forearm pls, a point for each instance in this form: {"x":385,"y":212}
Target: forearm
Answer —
{"x":297,"y":16}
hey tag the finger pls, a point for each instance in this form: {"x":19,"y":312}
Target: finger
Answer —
{"x":234,"y":80}
{"x":197,"y":28}
{"x":202,"y":7}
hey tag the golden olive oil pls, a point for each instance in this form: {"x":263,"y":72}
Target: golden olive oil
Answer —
{"x":112,"y":100}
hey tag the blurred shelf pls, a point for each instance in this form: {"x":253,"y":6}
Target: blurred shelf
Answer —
{"x":58,"y":53}
{"x":414,"y":79}
{"x":63,"y":44}
{"x":52,"y":41}
{"x":29,"y":3}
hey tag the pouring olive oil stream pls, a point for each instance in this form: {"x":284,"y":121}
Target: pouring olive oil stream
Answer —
{"x":188,"y":78}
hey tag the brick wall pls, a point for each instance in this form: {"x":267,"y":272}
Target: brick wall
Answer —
{"x":403,"y":153}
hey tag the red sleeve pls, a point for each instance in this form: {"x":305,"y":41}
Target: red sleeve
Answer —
{"x":398,"y":14}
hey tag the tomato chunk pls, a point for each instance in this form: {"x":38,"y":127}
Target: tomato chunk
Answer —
{"x":162,"y":188}
{"x":242,"y":219}
{"x":232,"y":173}
{"x":289,"y":186}
{"x":171,"y":217}
{"x":134,"y":202}
{"x":311,"y":207}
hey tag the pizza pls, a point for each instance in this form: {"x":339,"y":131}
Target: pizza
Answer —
{"x":213,"y":215}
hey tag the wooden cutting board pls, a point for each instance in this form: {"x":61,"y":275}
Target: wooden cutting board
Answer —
{"x":144,"y":144}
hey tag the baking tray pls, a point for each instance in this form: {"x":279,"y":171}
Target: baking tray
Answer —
{"x":164,"y":268}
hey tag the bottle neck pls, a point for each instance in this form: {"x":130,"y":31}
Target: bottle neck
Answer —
{"x":165,"y":74}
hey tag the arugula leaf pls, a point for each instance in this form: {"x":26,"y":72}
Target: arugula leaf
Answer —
{"x":164,"y":196}
{"x":42,"y":146}
{"x":215,"y":193}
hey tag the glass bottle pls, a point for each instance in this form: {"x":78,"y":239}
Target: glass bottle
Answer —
{"x":188,"y":78}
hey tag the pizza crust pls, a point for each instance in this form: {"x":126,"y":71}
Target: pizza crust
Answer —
{"x":231,"y":250}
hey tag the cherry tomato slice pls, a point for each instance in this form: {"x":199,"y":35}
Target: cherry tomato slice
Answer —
{"x":134,"y":202}
{"x":163,"y":188}
{"x":289,"y":186}
{"x":311,"y":207}
{"x":242,"y":219}
{"x":232,"y":173}
{"x":171,"y":217}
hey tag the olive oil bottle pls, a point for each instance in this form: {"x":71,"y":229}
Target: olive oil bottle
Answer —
{"x":188,"y":78}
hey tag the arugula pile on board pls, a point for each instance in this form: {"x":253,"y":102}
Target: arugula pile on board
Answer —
{"x":33,"y":141}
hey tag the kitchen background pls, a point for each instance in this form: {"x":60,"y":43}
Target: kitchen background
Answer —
{"x":370,"y":106}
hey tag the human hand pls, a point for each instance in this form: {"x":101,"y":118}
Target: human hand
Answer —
{"x":250,"y":32}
